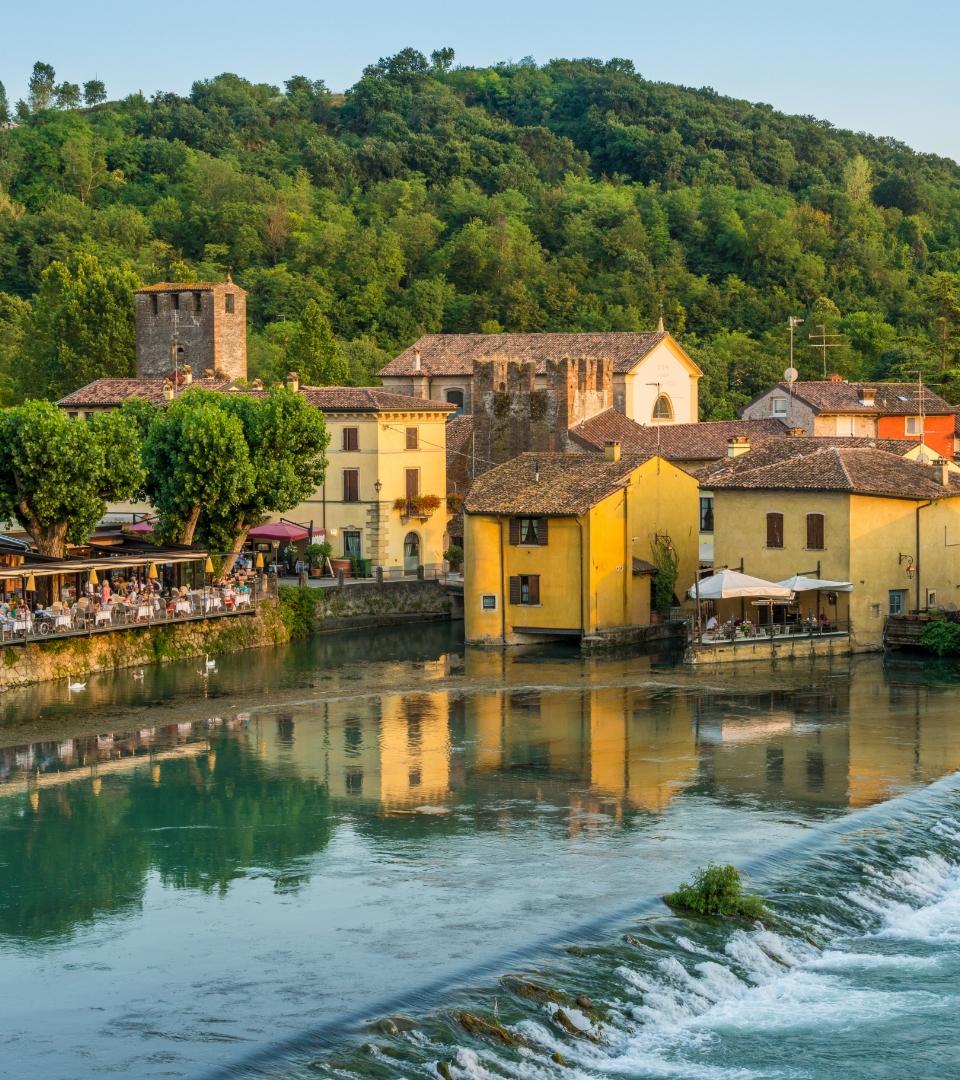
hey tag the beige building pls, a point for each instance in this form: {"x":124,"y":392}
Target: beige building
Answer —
{"x":654,"y":380}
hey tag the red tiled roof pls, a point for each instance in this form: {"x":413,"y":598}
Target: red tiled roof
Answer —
{"x":369,"y":399}
{"x":890,"y":399}
{"x":676,"y":442}
{"x":113,"y":392}
{"x":455,"y":354}
{"x":813,"y":466}
{"x":188,"y":286}
{"x":550,"y":485}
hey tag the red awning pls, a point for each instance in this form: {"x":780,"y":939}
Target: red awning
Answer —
{"x":141,"y":527}
{"x":280,"y":531}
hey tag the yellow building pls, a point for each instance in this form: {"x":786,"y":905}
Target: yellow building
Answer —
{"x":565,"y":544}
{"x":888,"y":525}
{"x":385,"y":494}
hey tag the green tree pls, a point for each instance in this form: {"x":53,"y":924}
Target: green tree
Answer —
{"x":40,"y":88}
{"x":4,"y":106}
{"x":196,"y":457}
{"x":314,"y":352}
{"x":94,"y":92}
{"x":57,"y":474}
{"x":286,"y":440}
{"x":67,"y":95}
{"x":81,"y":327}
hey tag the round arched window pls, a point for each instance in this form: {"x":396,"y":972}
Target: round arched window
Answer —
{"x":663,"y":409}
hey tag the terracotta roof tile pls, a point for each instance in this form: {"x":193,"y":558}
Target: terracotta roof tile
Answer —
{"x":812,"y":466}
{"x":455,"y":354}
{"x":889,"y":399}
{"x":677,"y":442}
{"x":369,"y":399}
{"x":113,"y":392}
{"x":549,"y":484}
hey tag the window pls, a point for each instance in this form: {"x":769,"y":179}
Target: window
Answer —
{"x":875,"y":611}
{"x":706,"y":513}
{"x":488,"y":602}
{"x":72,"y":415}
{"x":897,"y":604}
{"x":351,"y":485}
{"x":412,"y":482}
{"x":228,"y":303}
{"x":662,"y":408}
{"x":528,"y":531}
{"x":599,"y":378}
{"x":413,"y":438}
{"x":774,"y":530}
{"x":778,"y":406}
{"x":914,"y":425}
{"x":931,"y":598}
{"x":525,"y":589}
{"x":351,"y":438}
{"x":414,"y":778}
{"x":455,"y":397}
{"x":197,"y":303}
{"x":815,"y":532}
{"x":175,"y":301}
{"x":154,"y":304}
{"x":353,"y":781}
{"x":351,"y":543}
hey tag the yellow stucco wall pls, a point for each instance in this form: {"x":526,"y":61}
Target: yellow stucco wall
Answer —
{"x":831,"y":424}
{"x":586,"y":588}
{"x":382,"y":455}
{"x":667,"y":365}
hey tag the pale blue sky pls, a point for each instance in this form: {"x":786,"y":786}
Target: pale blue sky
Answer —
{"x":888,"y":68}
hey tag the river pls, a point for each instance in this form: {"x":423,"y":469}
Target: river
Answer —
{"x":313,"y":860}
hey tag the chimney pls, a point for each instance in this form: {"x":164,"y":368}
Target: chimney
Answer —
{"x":868,"y":395}
{"x":187,"y":372}
{"x":293,"y":381}
{"x":416,"y":360}
{"x":943,"y":470}
{"x":168,"y":390}
{"x":836,"y":378}
{"x":797,"y":432}
{"x":258,"y":384}
{"x":738,"y":445}
{"x":611,"y":451}
{"x":208,"y":372}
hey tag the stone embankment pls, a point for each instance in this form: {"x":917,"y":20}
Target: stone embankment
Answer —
{"x":369,"y":604}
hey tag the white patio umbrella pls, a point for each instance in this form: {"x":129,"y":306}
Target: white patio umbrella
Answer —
{"x":802,"y":583}
{"x":731,"y":584}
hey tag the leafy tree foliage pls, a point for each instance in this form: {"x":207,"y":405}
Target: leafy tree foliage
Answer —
{"x":94,"y":92}
{"x":576,"y":195}
{"x":57,"y":475}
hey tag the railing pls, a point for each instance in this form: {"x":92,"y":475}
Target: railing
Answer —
{"x":205,"y":603}
{"x":730,"y":633}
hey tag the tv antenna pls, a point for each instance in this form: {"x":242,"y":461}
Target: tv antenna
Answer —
{"x":790,"y":376}
{"x":824,"y":341}
{"x":793,"y":322}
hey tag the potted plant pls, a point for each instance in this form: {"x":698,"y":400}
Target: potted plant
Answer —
{"x":454,"y":556}
{"x":316,"y":554}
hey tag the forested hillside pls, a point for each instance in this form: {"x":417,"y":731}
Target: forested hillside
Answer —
{"x":572,"y":196}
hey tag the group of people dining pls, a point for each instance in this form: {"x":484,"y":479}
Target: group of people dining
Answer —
{"x":135,"y":598}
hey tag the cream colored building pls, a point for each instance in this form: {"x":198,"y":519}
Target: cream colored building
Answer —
{"x":654,"y":380}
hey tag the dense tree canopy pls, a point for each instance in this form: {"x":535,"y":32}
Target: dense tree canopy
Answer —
{"x":571,"y":196}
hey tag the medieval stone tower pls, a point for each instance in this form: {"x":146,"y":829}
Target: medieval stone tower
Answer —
{"x":203,"y":325}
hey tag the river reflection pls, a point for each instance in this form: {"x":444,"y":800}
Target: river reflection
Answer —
{"x":322,"y":825}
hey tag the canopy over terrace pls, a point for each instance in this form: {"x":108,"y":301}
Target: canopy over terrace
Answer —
{"x":732,"y":585}
{"x":802,"y":583}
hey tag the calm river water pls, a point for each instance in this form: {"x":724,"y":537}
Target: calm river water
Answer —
{"x":312,"y":861}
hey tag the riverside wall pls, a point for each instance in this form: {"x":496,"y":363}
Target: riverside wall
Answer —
{"x":369,"y":604}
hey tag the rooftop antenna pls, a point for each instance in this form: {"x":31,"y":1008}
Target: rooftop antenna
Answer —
{"x":824,"y":341}
{"x":793,"y":322}
{"x":790,"y":376}
{"x":922,"y":456}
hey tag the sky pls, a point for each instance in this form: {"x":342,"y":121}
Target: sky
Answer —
{"x":886,"y":68}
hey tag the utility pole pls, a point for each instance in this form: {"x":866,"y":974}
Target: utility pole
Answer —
{"x":824,"y":341}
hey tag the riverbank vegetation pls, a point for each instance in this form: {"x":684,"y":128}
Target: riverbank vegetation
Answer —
{"x":575,"y":195}
{"x":941,"y":637}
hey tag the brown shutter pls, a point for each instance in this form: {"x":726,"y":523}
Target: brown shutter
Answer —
{"x":515,"y":590}
{"x":514,"y":531}
{"x":350,"y":441}
{"x":413,"y":483}
{"x":351,"y":485}
{"x":815,"y":531}
{"x":412,"y":439}
{"x":533,"y":586}
{"x":542,"y":531}
{"x":774,"y":530}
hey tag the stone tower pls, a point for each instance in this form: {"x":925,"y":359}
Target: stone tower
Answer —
{"x":203,"y":325}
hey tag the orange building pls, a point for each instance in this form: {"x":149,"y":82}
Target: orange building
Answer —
{"x":939,"y":430}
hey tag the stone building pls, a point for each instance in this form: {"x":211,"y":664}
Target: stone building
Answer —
{"x":200,"y":323}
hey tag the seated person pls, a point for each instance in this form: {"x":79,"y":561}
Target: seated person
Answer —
{"x":713,"y":623}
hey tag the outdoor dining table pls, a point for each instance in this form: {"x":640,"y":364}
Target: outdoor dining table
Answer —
{"x":184,"y":607}
{"x":22,"y":626}
{"x":63,"y":619}
{"x":143,"y":612}
{"x":104,"y":615}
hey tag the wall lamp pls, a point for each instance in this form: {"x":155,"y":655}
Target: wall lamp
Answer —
{"x":908,"y":559}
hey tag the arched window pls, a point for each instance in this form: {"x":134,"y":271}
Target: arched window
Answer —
{"x":663,"y":409}
{"x":411,"y":553}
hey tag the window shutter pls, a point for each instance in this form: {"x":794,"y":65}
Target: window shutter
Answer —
{"x":514,"y":531}
{"x":815,"y":531}
{"x":413,"y":483}
{"x":515,"y":590}
{"x":774,"y":530}
{"x":533,"y":584}
{"x":350,"y":441}
{"x":351,"y":485}
{"x":412,"y":439}
{"x":542,"y":531}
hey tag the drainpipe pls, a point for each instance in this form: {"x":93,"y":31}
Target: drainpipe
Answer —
{"x":916,"y":557}
{"x":504,"y":591}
